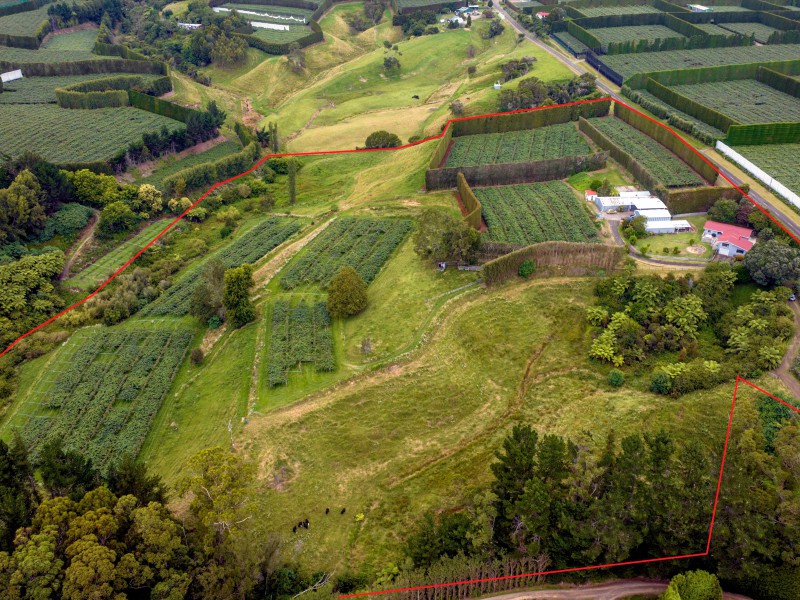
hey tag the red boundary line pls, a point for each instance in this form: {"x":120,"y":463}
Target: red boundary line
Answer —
{"x":608,"y":565}
{"x":409,"y":145}
{"x":354,"y":151}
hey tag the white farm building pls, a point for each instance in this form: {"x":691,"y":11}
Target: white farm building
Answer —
{"x":643,"y":204}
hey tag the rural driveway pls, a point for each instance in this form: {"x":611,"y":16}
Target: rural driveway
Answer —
{"x":783,"y":372}
{"x":575,"y":66}
{"x":605,"y":591}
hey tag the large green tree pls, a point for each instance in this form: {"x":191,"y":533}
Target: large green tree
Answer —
{"x":21,"y":210}
{"x":773,"y":263}
{"x":239,"y":309}
{"x":347,"y":293}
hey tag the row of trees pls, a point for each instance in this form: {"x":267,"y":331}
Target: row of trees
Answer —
{"x":533,"y":92}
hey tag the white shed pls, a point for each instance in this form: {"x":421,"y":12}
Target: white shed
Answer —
{"x":659,"y":214}
{"x":11,"y":76}
{"x":672,"y":226}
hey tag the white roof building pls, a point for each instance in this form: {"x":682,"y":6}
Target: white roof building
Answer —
{"x":671,"y":226}
{"x":11,"y":76}
{"x":659,"y":214}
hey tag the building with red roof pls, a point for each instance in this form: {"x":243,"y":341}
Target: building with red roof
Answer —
{"x":728,"y":240}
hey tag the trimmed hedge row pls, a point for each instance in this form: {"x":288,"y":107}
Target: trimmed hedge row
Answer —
{"x":104,"y":49}
{"x":763,"y":133}
{"x":712,"y":74}
{"x":108,"y":91}
{"x":667,"y":139}
{"x":160,"y":107}
{"x":530,"y":119}
{"x":439,"y":153}
{"x":244,"y":133}
{"x":779,"y":81}
{"x":207,"y":174}
{"x":604,"y":69}
{"x":315,"y":36}
{"x":433,"y":6}
{"x":471,"y":202}
{"x":511,"y":173}
{"x":29,"y":42}
{"x":87,"y":67}
{"x":700,"y":199}
{"x":584,"y":36}
{"x":562,"y":258}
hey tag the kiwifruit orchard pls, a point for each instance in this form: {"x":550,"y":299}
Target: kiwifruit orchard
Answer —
{"x":307,"y":297}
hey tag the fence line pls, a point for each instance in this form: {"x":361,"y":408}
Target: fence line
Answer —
{"x":760,"y":174}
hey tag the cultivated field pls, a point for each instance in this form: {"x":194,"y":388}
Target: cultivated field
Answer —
{"x":779,"y":160}
{"x":65,"y":47}
{"x":245,"y":249}
{"x":300,"y":334}
{"x":532,"y":213}
{"x":169,"y":165}
{"x":655,"y":158}
{"x":364,"y":244}
{"x":101,"y":391}
{"x":759,"y":30}
{"x":744,"y":100}
{"x":555,"y":141}
{"x":67,"y":136}
{"x":704,"y":127}
{"x":90,"y":277}
{"x":644,"y":62}
{"x":620,"y":35}
{"x":604,"y":11}
{"x":24,"y":23}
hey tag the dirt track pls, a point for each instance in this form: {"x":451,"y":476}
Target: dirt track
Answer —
{"x":783,"y":372}
{"x":604,"y":591}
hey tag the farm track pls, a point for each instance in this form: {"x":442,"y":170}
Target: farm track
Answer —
{"x":86,"y":236}
{"x":616,"y":590}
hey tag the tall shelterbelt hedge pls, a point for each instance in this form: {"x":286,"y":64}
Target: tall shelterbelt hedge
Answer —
{"x":13,"y":9}
{"x":87,"y":67}
{"x":562,"y":258}
{"x":689,"y":106}
{"x":530,"y":119}
{"x":207,"y":174}
{"x":108,"y":91}
{"x":470,"y":201}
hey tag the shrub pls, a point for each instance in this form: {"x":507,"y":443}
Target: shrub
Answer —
{"x":116,"y":217}
{"x":347,"y":293}
{"x":526,"y":268}
{"x":616,"y":378}
{"x":660,"y":383}
{"x":382,"y":139}
{"x":196,"y":356}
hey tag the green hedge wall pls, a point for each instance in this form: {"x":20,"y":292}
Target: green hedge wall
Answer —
{"x":530,"y":119}
{"x":583,"y":35}
{"x":244,"y":133}
{"x":779,"y":81}
{"x":159,"y":107}
{"x":667,"y":139}
{"x":510,"y":173}
{"x":103,"y":49}
{"x":441,"y":148}
{"x":700,"y":199}
{"x":557,"y":258}
{"x":86,"y":67}
{"x":763,"y":133}
{"x":669,"y":7}
{"x":710,"y":74}
{"x":207,"y":174}
{"x":89,"y":100}
{"x":315,"y":36}
{"x":689,"y":106}
{"x":22,"y":7}
{"x":96,"y":167}
{"x":471,"y":202}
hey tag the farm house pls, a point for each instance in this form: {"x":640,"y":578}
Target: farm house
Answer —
{"x":728,"y":240}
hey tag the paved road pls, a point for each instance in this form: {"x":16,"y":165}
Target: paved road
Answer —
{"x":575,"y":66}
{"x":605,"y":591}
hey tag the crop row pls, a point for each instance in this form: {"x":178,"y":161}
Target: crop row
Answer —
{"x":555,"y":141}
{"x":779,"y":160}
{"x":533,"y":213}
{"x":632,"y":33}
{"x":646,"y":62}
{"x":65,"y":136}
{"x":760,"y":31}
{"x":107,"y":393}
{"x":744,"y":100}
{"x":605,"y":11}
{"x":364,"y":244}
{"x":300,"y":334}
{"x":662,"y":164}
{"x":247,"y":249}
{"x":41,"y":90}
{"x":23,"y":23}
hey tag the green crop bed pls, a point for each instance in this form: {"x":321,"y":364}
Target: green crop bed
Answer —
{"x":761,"y":31}
{"x":94,"y":274}
{"x":41,"y":90}
{"x":102,"y":390}
{"x":169,"y":165}
{"x":65,"y":47}
{"x":655,"y":158}
{"x":704,"y":127}
{"x":538,"y":212}
{"x":712,"y":29}
{"x":65,"y":136}
{"x":645,"y":62}
{"x":632,"y":33}
{"x":295,"y":32}
{"x":246,"y":249}
{"x":571,"y":41}
{"x":604,"y":11}
{"x":300,"y":334}
{"x":24,"y":23}
{"x":779,"y":160}
{"x":364,"y":244}
{"x":744,"y":100}
{"x":555,"y":141}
